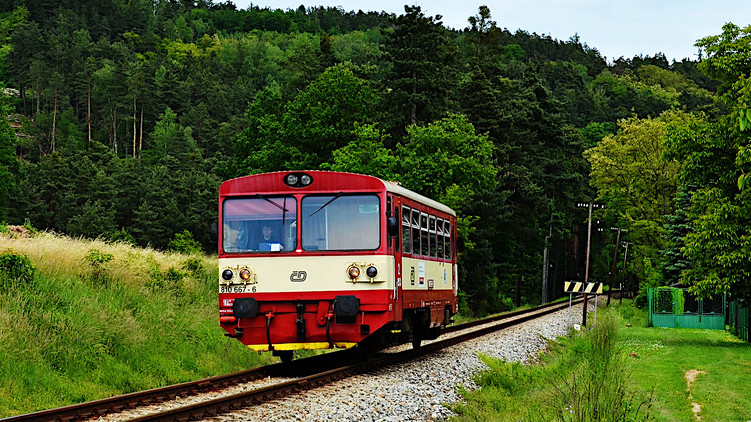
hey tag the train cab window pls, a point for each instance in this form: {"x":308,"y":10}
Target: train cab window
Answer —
{"x":406,"y":230}
{"x":440,"y":237}
{"x":431,"y":227}
{"x":340,"y":222}
{"x":415,"y":232}
{"x":424,"y":236}
{"x":447,"y":240}
{"x":259,"y":224}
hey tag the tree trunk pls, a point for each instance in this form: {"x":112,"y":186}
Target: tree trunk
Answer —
{"x":88,"y":110}
{"x":134,"y":126}
{"x":140,"y":135}
{"x":114,"y":128}
{"x":54,"y":119}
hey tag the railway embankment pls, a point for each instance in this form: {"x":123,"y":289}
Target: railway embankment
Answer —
{"x":88,"y":319}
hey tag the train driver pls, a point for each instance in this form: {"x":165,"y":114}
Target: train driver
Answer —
{"x":269,"y":241}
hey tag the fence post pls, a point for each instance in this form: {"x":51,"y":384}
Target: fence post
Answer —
{"x":649,"y":304}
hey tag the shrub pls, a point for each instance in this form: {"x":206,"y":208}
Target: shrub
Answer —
{"x":184,"y":243}
{"x":96,"y":261}
{"x":122,"y":235}
{"x":15,"y":267}
{"x":598,"y":386}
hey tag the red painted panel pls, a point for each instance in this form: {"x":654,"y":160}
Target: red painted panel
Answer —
{"x":323,"y":181}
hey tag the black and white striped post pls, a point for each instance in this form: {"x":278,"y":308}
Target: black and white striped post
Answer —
{"x":572,"y":287}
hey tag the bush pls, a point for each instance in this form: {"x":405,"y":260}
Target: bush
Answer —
{"x":583,"y":377}
{"x":598,"y":387}
{"x":96,"y":261}
{"x":184,"y":243}
{"x":122,"y":235}
{"x":15,"y":267}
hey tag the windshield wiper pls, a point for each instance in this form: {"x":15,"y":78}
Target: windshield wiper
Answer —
{"x":274,"y":203}
{"x":324,"y":205}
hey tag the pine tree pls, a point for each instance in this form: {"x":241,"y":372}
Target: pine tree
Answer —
{"x":422,"y":76}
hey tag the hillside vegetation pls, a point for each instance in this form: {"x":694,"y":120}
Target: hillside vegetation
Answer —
{"x":123,"y":117}
{"x":86,"y":319}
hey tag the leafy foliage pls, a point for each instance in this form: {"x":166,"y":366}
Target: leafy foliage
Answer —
{"x":128,"y":115}
{"x":184,"y":243}
{"x":16,"y":268}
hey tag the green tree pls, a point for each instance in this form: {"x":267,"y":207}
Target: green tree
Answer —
{"x":718,"y":158}
{"x":171,"y":138}
{"x":9,"y":165}
{"x":322,"y":118}
{"x":637,"y":183}
{"x":366,"y":154}
{"x":423,"y":68}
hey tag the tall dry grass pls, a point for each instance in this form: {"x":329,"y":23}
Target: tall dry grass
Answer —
{"x":98,"y":319}
{"x":61,"y":256}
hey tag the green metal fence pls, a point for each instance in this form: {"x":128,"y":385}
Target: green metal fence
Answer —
{"x":676,"y":308}
{"x":739,"y":318}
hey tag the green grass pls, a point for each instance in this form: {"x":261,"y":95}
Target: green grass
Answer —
{"x":664,"y":356}
{"x":88,"y":328}
{"x":621,"y":373}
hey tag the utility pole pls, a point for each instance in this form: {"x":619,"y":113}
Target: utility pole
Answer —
{"x":546,"y":263}
{"x":623,"y":273}
{"x":615,"y":258}
{"x":589,"y":206}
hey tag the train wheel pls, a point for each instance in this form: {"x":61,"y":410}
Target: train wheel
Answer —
{"x":416,"y":340}
{"x":285,"y":355}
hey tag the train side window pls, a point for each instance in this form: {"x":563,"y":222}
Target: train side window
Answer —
{"x":439,"y":240}
{"x":424,"y":235}
{"x":431,"y":227}
{"x":447,"y":243}
{"x":397,"y":239}
{"x":415,"y":232}
{"x":406,"y":230}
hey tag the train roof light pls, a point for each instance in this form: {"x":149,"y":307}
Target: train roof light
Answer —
{"x":298,"y":180}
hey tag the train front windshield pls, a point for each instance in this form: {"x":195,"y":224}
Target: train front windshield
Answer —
{"x":340,"y":223}
{"x":329,"y":223}
{"x":259,"y":224}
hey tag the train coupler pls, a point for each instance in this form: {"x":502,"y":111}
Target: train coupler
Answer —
{"x":300,"y":321}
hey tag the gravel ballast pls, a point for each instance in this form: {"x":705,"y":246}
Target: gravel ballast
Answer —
{"x":414,"y":391}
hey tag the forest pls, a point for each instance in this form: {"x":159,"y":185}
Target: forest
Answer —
{"x":122,"y":117}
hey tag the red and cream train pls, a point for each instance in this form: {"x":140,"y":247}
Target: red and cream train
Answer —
{"x":319,"y":259}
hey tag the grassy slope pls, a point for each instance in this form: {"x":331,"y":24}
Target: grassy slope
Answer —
{"x":81,"y":331}
{"x":543,"y":392}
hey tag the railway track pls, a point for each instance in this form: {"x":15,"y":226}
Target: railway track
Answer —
{"x":282,"y":379}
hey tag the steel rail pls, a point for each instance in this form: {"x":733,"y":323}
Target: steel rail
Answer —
{"x":228,"y":403}
{"x":328,"y":361}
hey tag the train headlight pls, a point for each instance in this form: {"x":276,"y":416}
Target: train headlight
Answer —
{"x":298,"y":180}
{"x":371,"y":271}
{"x":353,"y":272}
{"x":245,"y":274}
{"x":227,"y":274}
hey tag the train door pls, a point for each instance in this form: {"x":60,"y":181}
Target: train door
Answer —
{"x":397,"y":250}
